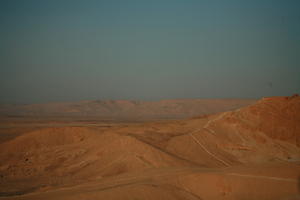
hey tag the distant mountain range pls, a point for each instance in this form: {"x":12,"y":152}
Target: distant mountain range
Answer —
{"x":127,"y":109}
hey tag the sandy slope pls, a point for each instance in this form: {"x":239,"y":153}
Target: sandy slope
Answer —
{"x":241,"y":154}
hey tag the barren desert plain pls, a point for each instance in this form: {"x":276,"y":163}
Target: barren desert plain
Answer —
{"x":174,"y":149}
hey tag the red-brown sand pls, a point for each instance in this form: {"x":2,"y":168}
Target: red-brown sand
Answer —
{"x":249,"y":153}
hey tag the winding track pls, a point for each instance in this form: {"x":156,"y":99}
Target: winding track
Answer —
{"x":263,"y":177}
{"x":201,"y":145}
{"x":149,"y":179}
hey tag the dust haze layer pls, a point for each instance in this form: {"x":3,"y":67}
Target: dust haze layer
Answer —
{"x":126,"y":109}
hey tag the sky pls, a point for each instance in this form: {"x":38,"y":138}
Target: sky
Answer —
{"x":71,"y":50}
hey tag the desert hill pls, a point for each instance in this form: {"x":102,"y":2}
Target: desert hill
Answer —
{"x":265,"y":131}
{"x":126,"y":109}
{"x":248,"y":153}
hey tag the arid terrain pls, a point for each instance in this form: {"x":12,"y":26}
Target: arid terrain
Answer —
{"x":173,"y":149}
{"x":127,"y":110}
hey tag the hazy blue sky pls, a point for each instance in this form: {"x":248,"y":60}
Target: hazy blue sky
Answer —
{"x":60,"y":50}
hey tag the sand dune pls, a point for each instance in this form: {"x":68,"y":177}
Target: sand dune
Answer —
{"x":248,"y":153}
